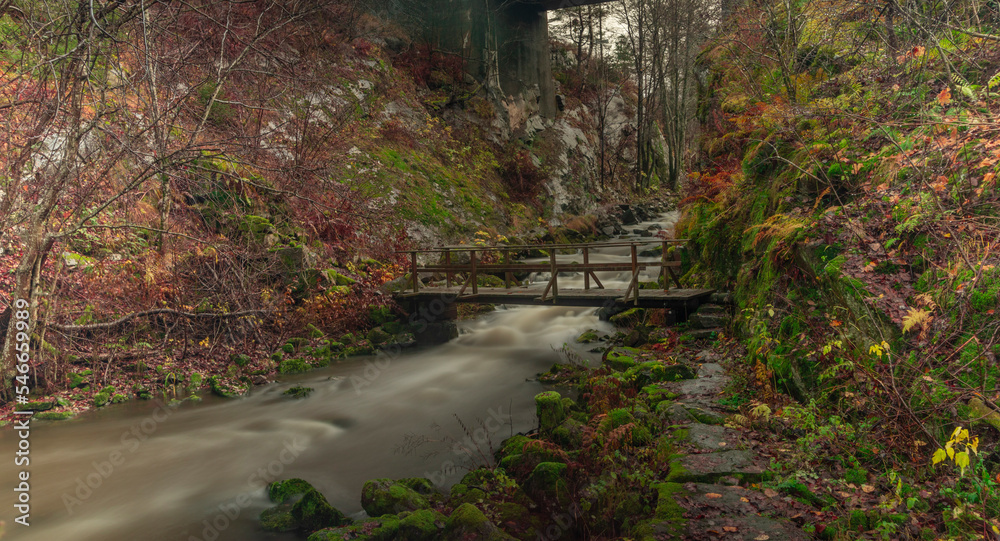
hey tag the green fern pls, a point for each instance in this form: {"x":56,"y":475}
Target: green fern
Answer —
{"x":994,"y":81}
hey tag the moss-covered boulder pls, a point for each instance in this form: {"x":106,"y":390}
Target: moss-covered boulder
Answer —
{"x":655,"y":372}
{"x":53,"y":416}
{"x":79,"y":379}
{"x":622,"y":358}
{"x":629,"y":318}
{"x":385,"y":496}
{"x":468,"y":522}
{"x":283,"y":491}
{"x":547,"y":482}
{"x":550,"y":409}
{"x":300,"y":508}
{"x":377,"y":336}
{"x":104,"y":397}
{"x":38,"y":405}
{"x":278,"y":519}
{"x":587,"y":337}
{"x":239,"y":359}
{"x":293,"y":366}
{"x":312,"y":512}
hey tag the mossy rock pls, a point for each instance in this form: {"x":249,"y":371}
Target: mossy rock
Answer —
{"x":288,"y":349}
{"x":282,"y":491}
{"x":277,"y":356}
{"x":239,"y":359}
{"x":656,"y":372}
{"x":668,"y":520}
{"x":547,"y":482}
{"x":462,"y":493}
{"x":377,"y":336}
{"x":294,"y":366}
{"x":118,"y":398}
{"x":312,"y":512}
{"x":513,"y":445}
{"x":587,"y":337}
{"x":658,"y":394}
{"x":629,"y":318}
{"x":421,"y":525}
{"x":550,"y":410}
{"x":104,"y":397}
{"x":221,"y":389}
{"x":384,"y":497}
{"x":278,"y":519}
{"x":347,"y":339}
{"x":468,"y":522}
{"x":384,"y":528}
{"x":298,"y":392}
{"x":53,"y":416}
{"x":621,"y":359}
{"x":79,"y":379}
{"x":358,"y":349}
{"x":569,"y":434}
{"x":336,"y":278}
{"x":37,"y":406}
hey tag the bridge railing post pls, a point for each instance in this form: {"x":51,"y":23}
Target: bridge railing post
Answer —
{"x":586,"y":271}
{"x":507,"y":274}
{"x":413,"y":272}
{"x":475,"y":276}
{"x":555,"y":275}
{"x":663,"y":266}
{"x":635,"y":273}
{"x":447,"y":263}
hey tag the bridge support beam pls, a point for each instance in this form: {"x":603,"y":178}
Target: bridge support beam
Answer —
{"x":432,"y":321}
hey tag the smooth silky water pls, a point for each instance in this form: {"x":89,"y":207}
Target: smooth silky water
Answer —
{"x":142,"y":471}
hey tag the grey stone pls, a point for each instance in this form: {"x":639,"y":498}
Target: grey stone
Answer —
{"x":748,"y":528}
{"x":712,"y":437}
{"x":711,"y":466}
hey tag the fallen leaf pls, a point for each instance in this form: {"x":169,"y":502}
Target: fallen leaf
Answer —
{"x":730,"y":528}
{"x":762,"y":537}
{"x":713,"y":495}
{"x":770,"y":492}
{"x":722,"y":444}
{"x":842,"y":494}
{"x":745,"y":500}
{"x":868,"y":489}
{"x":944,"y":98}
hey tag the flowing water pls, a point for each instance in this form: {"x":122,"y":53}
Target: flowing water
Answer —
{"x":146,"y":471}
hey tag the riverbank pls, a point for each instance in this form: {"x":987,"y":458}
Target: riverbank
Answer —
{"x":351,"y":316}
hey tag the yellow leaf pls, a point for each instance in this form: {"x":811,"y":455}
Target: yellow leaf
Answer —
{"x":950,"y":451}
{"x":713,"y":495}
{"x":938,"y":456}
{"x":974,"y":445}
{"x":962,"y":461}
{"x":958,"y":430}
{"x":868,"y":489}
{"x":913,"y":318}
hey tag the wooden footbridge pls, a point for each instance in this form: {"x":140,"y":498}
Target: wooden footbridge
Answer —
{"x":461,"y":280}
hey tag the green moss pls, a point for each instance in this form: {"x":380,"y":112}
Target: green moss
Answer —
{"x":629,"y":318}
{"x":587,"y":337}
{"x":383,"y":496}
{"x":278,"y":519}
{"x":37,"y":406}
{"x":53,"y":416}
{"x":298,"y":392}
{"x":282,"y":491}
{"x":421,"y":525}
{"x":293,"y":366}
{"x":550,"y":410}
{"x":312,"y":512}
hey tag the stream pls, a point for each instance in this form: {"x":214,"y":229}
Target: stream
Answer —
{"x":144,"y":470}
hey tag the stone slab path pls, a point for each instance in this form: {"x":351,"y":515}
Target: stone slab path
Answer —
{"x":715,"y":467}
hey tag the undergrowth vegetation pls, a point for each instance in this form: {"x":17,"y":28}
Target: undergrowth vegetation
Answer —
{"x":845,"y":189}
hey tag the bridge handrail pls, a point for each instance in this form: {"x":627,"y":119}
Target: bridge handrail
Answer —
{"x":554,"y":267}
{"x":518,"y":247}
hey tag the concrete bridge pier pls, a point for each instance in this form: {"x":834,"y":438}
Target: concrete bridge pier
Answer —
{"x":504,"y":43}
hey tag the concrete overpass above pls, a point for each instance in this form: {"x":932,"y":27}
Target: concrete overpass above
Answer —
{"x":504,"y":43}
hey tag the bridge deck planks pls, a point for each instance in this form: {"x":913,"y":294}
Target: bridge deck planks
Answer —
{"x":648,"y":298}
